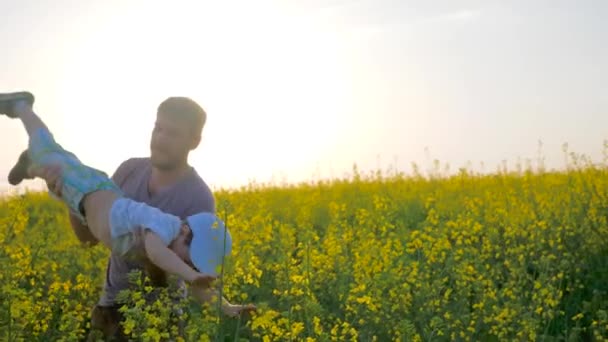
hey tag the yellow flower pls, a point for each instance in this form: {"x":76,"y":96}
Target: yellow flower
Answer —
{"x":382,"y":258}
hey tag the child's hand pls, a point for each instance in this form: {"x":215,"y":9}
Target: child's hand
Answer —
{"x":201,"y":280}
{"x":234,"y":310}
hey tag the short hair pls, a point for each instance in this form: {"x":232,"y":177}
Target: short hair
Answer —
{"x":184,"y":109}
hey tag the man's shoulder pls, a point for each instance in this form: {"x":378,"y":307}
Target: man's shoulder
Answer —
{"x":134,"y":163}
{"x":130,"y":167}
{"x":200,"y":192}
{"x":197,"y":183}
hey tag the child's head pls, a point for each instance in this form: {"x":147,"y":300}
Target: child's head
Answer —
{"x":202,"y":242}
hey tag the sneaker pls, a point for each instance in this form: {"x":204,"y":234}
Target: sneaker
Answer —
{"x":8,"y":100}
{"x":19,"y":172}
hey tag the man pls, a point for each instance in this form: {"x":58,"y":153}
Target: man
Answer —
{"x":166,"y":181}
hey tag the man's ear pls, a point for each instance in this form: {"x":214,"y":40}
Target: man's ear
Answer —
{"x":196,"y":140}
{"x":184,"y":229}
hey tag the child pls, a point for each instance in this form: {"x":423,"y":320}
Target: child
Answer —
{"x":179,"y":247}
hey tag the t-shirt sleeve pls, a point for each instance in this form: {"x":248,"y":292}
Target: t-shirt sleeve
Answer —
{"x":123,"y":171}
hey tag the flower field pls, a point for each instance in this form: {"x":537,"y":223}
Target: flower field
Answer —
{"x":515,"y":255}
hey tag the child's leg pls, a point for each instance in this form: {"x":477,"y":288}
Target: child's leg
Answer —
{"x":40,"y":144}
{"x":78,"y":179}
{"x":82,"y":186}
{"x":30,"y":120}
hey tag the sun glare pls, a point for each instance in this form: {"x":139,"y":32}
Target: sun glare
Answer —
{"x":272,"y":86}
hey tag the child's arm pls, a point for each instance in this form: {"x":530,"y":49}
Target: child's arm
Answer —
{"x":209,"y":295}
{"x":167,"y":260}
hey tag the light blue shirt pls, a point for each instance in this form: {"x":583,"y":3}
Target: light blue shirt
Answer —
{"x":130,"y":219}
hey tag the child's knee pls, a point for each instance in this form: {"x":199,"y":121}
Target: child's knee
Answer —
{"x":34,"y":172}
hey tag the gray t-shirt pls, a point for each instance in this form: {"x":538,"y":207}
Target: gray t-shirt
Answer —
{"x":189,"y":196}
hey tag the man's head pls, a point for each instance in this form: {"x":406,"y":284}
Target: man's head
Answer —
{"x":203,"y":242}
{"x":177,"y":131}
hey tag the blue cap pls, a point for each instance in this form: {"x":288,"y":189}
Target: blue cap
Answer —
{"x":211,"y":241}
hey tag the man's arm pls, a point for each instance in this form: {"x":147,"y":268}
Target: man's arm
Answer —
{"x":167,"y":260}
{"x":53,"y":177}
{"x":83,"y":233}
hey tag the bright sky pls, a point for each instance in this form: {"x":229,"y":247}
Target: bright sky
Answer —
{"x":297,"y":90}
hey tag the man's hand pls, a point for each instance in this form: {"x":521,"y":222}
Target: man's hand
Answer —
{"x":234,"y":310}
{"x":52,"y":175}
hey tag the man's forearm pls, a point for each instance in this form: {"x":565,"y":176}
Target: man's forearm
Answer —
{"x":82,"y":232}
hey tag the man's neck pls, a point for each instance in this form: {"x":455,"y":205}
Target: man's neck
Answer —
{"x":160,"y":179}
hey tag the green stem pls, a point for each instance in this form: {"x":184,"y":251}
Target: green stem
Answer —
{"x":12,"y":236}
{"x":288,"y":287}
{"x":308,"y":328}
{"x":238,"y":327}
{"x":10,"y":320}
{"x":219,"y":327}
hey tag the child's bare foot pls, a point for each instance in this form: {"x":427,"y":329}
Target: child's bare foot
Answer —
{"x":8,"y":101}
{"x":19,"y":172}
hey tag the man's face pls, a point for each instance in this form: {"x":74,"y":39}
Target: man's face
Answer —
{"x":171,"y":142}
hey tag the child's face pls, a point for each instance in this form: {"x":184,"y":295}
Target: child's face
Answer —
{"x":181,"y":244}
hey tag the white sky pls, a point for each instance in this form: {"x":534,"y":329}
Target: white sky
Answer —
{"x":300,"y":89}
